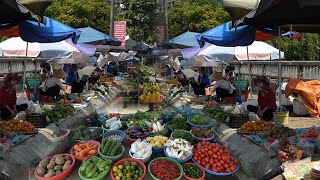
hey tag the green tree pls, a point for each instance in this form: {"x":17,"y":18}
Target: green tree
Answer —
{"x":81,"y":13}
{"x":141,"y":17}
{"x":196,"y":16}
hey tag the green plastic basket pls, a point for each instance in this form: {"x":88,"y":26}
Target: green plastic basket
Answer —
{"x":164,"y":158}
{"x":100,"y":177}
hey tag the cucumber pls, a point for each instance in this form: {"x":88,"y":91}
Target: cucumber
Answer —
{"x":103,"y":142}
{"x":111,"y":147}
{"x":115,"y":150}
{"x":105,"y":163}
{"x":106,"y":147}
{"x":95,"y":159}
{"x":99,"y":162}
{"x":89,"y":168}
{"x":95,"y":175}
{"x":92,"y":172}
{"x":85,"y":165}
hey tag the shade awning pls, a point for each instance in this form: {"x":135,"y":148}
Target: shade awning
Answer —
{"x":93,"y":36}
{"x":187,"y":39}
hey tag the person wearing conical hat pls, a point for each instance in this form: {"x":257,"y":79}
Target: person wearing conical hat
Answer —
{"x":52,"y":85}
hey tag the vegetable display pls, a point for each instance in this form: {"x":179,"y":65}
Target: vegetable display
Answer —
{"x":60,"y":112}
{"x":199,"y":119}
{"x":141,"y":149}
{"x":117,"y":115}
{"x":84,"y":133}
{"x":191,"y":170}
{"x":128,"y":170}
{"x":288,"y":151}
{"x":158,"y":128}
{"x":139,"y":118}
{"x":137,"y":133}
{"x":150,"y":94}
{"x":214,"y":157}
{"x":115,"y":137}
{"x":169,"y":112}
{"x":202,"y":132}
{"x":179,"y":149}
{"x":113,"y":123}
{"x":95,"y":167}
{"x":279,"y":132}
{"x":110,"y":147}
{"x":157,"y":141}
{"x":17,"y":126}
{"x":178,"y":123}
{"x":311,"y":134}
{"x":54,"y":166}
{"x":216,"y":113}
{"x":165,"y":169}
{"x":83,"y":150}
{"x":256,"y":127}
{"x":182,"y":134}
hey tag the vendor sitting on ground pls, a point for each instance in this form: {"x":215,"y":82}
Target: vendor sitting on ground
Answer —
{"x":77,"y":84}
{"x":224,"y":89}
{"x":266,"y":100}
{"x":51,"y":86}
{"x":8,"y":98}
{"x":203,"y":82}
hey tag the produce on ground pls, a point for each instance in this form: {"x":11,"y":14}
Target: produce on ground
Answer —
{"x":279,"y":132}
{"x":202,"y":132}
{"x":176,"y":134}
{"x":60,"y":112}
{"x":110,"y":147}
{"x":141,"y":149}
{"x":128,"y":170}
{"x":137,"y":133}
{"x":157,"y":141}
{"x":165,"y":169}
{"x":214,"y":157}
{"x":113,"y":123}
{"x":288,"y":151}
{"x":256,"y":127}
{"x":56,"y":165}
{"x":17,"y":126}
{"x":115,"y":137}
{"x":192,"y":170}
{"x":199,"y":119}
{"x":95,"y":167}
{"x":311,"y":134}
{"x":84,"y":133}
{"x":117,"y":115}
{"x":178,"y":148}
{"x":178,"y":123}
{"x":150,"y":93}
{"x":216,"y":113}
{"x":6,"y":135}
{"x":83,"y":150}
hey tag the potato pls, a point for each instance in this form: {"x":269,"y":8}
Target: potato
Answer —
{"x":66,"y":166}
{"x":41,"y":171}
{"x":58,"y":172}
{"x":59,"y":160}
{"x":57,"y":167}
{"x":51,"y":165}
{"x":50,"y":174}
{"x":68,"y":162}
{"x":67,"y":158}
{"x":43,"y":163}
{"x":51,"y":171}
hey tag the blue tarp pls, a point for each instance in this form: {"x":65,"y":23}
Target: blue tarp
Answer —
{"x":52,"y":31}
{"x":224,"y":36}
{"x":187,"y":39}
{"x":93,"y":36}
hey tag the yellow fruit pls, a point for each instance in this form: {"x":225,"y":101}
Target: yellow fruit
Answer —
{"x":118,"y":178}
{"x":158,"y":144}
{"x":149,"y":139}
{"x":120,"y":166}
{"x":115,"y":169}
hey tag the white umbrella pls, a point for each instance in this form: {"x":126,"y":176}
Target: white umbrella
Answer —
{"x":189,"y":73}
{"x":88,"y":70}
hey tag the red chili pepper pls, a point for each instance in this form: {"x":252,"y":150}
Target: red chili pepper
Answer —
{"x":165,"y":170}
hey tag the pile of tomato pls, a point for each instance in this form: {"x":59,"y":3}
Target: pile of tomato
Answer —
{"x":214,"y":157}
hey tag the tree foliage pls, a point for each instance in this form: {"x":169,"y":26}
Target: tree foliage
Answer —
{"x":81,"y":13}
{"x":141,"y":17}
{"x":196,"y":16}
{"x":305,"y":48}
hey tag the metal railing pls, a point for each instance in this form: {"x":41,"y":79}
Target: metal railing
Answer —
{"x":306,"y":70}
{"x":17,"y":65}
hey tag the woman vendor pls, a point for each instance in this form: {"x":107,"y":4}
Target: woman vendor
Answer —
{"x":77,"y":85}
{"x":224,"y":89}
{"x":8,"y":106}
{"x":52,"y":85}
{"x":203,"y":82}
{"x":266,"y":99}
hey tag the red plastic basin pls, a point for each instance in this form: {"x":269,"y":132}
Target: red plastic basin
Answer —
{"x":202,"y":171}
{"x":129,"y":160}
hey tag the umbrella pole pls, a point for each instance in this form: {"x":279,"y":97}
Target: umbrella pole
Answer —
{"x":279,"y":71}
{"x":25,"y":70}
{"x":250,"y":84}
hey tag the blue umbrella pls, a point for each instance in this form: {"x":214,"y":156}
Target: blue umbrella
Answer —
{"x":187,"y":39}
{"x":93,"y":36}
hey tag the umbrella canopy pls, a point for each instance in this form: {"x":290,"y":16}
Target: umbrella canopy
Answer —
{"x":187,"y":39}
{"x":16,"y":47}
{"x":52,"y":31}
{"x":13,"y":12}
{"x":93,"y":36}
{"x":257,"y":51}
{"x":239,"y":8}
{"x":37,"y":6}
{"x":302,"y":16}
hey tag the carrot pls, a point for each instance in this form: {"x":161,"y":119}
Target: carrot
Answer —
{"x":92,"y":152}
{"x":83,"y":146}
{"x":85,"y":151}
{"x":77,"y":154}
{"x":77,"y":148}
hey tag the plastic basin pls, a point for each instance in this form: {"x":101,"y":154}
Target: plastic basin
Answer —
{"x":130,"y":160}
{"x":61,"y":176}
{"x":114,"y":158}
{"x":175,"y":159}
{"x":118,"y":132}
{"x":198,"y":139}
{"x":141,"y":159}
{"x":216,"y":173}
{"x":177,"y":130}
{"x":89,"y":156}
{"x":200,"y":126}
{"x":100,"y":177}
{"x":156,"y":149}
{"x":166,"y":119}
{"x":165,"y":158}
{"x":200,"y":169}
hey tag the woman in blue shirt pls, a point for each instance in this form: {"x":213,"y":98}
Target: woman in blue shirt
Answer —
{"x":74,"y":81}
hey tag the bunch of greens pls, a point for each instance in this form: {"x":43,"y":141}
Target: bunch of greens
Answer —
{"x":139,"y":118}
{"x":199,"y":119}
{"x":60,"y":112}
{"x":216,"y":113}
{"x":178,"y":123}
{"x":169,"y":112}
{"x":149,"y":71}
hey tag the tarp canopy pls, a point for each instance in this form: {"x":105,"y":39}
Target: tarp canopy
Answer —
{"x":52,"y":31}
{"x":93,"y":36}
{"x":256,"y":51}
{"x":239,"y":8}
{"x":16,"y":47}
{"x":37,"y":6}
{"x":187,"y":39}
{"x":299,"y":15}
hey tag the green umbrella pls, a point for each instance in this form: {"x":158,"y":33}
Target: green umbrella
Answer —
{"x":36,"y":6}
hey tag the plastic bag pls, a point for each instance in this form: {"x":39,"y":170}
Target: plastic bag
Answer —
{"x":21,"y":116}
{"x":307,"y":147}
{"x":236,"y":109}
{"x":273,"y":149}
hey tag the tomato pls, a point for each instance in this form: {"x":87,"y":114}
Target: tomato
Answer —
{"x":206,"y":159}
{"x":228,"y":170}
{"x":210,"y":152}
{"x":211,"y":161}
{"x":202,"y":155}
{"x":219,"y":157}
{"x":219,"y":164}
{"x":214,"y":156}
{"x":226,"y":165}
{"x":215,"y":169}
{"x":207,"y":166}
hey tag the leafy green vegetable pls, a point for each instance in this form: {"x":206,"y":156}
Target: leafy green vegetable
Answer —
{"x":216,"y":113}
{"x":199,"y":119}
{"x":178,"y":123}
{"x":60,"y":112}
{"x":183,"y":135}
